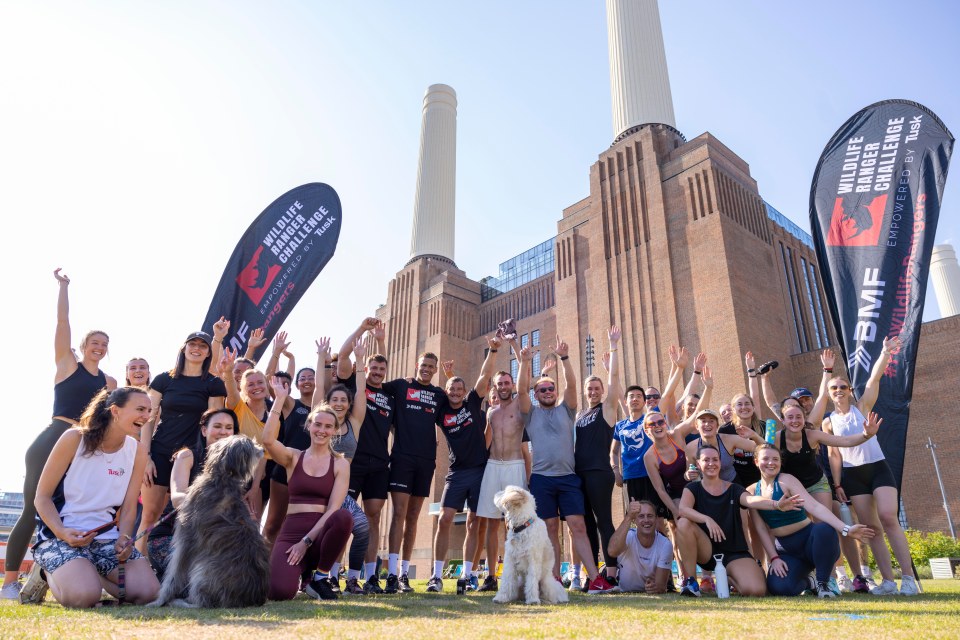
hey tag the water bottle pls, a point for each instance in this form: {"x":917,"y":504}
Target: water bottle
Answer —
{"x":720,"y":576}
{"x":771,"y":435}
{"x":845,"y":514}
{"x":461,"y":586}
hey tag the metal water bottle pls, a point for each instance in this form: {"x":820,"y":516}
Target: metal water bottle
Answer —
{"x":720,"y":576}
{"x":845,"y":514}
{"x":771,"y":435}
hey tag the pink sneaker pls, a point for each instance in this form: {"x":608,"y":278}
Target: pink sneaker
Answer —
{"x":599,"y":585}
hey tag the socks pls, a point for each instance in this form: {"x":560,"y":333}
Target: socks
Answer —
{"x":576,"y":569}
{"x":866,"y":572}
{"x":353,"y":574}
{"x":370,"y":569}
{"x":437,"y":568}
{"x":467,"y":568}
{"x":320,"y":575}
{"x":335,"y":570}
{"x":392,"y":560}
{"x":404,"y":567}
{"x":841,"y":573}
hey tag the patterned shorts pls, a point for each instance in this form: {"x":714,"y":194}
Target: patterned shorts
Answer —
{"x":53,"y":554}
{"x":160,"y":548}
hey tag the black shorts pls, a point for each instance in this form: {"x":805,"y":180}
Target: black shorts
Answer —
{"x":865,"y":479}
{"x":163,"y":462}
{"x":411,"y":475}
{"x":642,"y":489}
{"x":728,"y":557}
{"x":368,"y":479}
{"x":463,"y":485}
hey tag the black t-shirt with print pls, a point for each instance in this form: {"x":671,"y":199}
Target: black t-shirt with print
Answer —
{"x":463,"y":429}
{"x":416,"y":414}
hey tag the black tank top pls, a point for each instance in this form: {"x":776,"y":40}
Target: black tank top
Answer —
{"x":725,"y":511}
{"x":802,"y":465}
{"x":592,"y":440}
{"x":71,"y":396}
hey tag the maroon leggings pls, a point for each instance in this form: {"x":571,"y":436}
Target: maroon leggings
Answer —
{"x":329,"y":545}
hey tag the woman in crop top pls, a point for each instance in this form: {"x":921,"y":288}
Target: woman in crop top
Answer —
{"x":794,"y":544}
{"x":710,"y":524}
{"x":315,"y":530}
{"x":75,"y":384}
{"x":864,"y":475}
{"x":93,"y":471}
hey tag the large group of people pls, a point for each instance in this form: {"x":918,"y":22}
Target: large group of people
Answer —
{"x":701,"y":487}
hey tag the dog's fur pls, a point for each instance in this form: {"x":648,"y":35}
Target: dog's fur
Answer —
{"x":219,"y":558}
{"x":528,"y":557}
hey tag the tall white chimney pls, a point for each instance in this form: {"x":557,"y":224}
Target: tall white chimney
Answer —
{"x":639,"y":83}
{"x":433,"y":209}
{"x":945,"y":276}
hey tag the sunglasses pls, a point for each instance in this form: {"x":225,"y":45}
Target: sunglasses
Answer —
{"x":546,"y":389}
{"x":653,"y":396}
{"x":656,"y":423}
{"x":841,"y":387}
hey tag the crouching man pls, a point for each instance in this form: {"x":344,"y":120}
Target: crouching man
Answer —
{"x":644,"y":555}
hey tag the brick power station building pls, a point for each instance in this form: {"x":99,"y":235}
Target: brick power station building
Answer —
{"x":674,"y":244}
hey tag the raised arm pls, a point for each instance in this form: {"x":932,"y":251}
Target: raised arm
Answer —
{"x":523,"y":380}
{"x":570,"y":390}
{"x":284,"y":456}
{"x":827,"y":358}
{"x":320,"y":378}
{"x":380,"y":336}
{"x":689,"y":425}
{"x":220,"y":330}
{"x":489,"y":364}
{"x":280,"y":345}
{"x":614,"y":391}
{"x":256,"y":339}
{"x":872,"y":388}
{"x":753,"y":386}
{"x":66,"y":361}
{"x":770,"y":397}
{"x":343,"y":358}
{"x":359,"y":411}
{"x":618,"y":541}
{"x":233,"y":393}
{"x":679,"y":359}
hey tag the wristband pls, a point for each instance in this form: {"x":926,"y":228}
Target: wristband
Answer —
{"x":828,"y":369}
{"x":699,"y":373}
{"x":276,"y":413}
{"x":217,"y":340}
{"x":307,"y":540}
{"x":328,"y":366}
{"x":751,"y":370}
{"x":564,"y":357}
{"x":751,"y":375}
{"x":846,"y":530}
{"x":612,"y":350}
{"x":493,"y":350}
{"x":836,"y":486}
{"x":866,"y":436}
{"x":774,"y":559}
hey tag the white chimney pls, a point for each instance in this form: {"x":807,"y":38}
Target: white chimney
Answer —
{"x":433,"y":209}
{"x":945,"y":276}
{"x":639,"y":83}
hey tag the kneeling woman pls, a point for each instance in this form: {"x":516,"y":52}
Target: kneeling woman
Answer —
{"x":794,"y":544}
{"x":315,"y":530}
{"x":93,"y":468}
{"x":710,"y":524}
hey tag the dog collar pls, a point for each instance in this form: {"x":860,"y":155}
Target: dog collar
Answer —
{"x":523,"y":526}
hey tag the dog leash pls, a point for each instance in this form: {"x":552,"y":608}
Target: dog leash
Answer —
{"x":147,"y":531}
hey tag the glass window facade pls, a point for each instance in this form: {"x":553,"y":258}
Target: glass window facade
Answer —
{"x":535,"y":337}
{"x":519,"y":270}
{"x":536,"y":364}
{"x":525,"y":340}
{"x":791,"y":227}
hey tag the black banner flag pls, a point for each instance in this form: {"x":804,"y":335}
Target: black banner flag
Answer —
{"x":874,"y":207}
{"x":275,"y":262}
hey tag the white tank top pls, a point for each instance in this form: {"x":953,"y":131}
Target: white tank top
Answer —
{"x":95,"y":485}
{"x":849,"y":424}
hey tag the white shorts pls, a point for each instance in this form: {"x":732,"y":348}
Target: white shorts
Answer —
{"x":497,"y":476}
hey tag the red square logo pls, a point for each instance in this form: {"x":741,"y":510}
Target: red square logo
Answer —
{"x":854,"y":224}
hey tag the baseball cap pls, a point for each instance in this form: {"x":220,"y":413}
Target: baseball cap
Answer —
{"x":800,"y":392}
{"x":708,"y":412}
{"x":201,"y":335}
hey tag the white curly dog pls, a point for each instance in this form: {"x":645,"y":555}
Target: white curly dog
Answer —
{"x":528,"y":557}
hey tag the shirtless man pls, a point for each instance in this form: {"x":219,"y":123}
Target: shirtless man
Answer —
{"x":509,"y":463}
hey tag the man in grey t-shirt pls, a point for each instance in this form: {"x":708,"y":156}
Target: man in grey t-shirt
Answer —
{"x":553,"y":483}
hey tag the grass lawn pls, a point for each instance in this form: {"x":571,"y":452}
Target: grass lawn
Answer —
{"x":936,"y":614}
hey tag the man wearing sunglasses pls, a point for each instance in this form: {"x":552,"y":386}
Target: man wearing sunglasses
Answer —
{"x":553,"y":481}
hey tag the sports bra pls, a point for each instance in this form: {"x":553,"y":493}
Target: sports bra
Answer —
{"x":306,"y":489}
{"x":72,"y":395}
{"x":775,"y":519}
{"x":672,"y":472}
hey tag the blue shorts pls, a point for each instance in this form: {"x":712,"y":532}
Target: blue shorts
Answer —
{"x":463,"y":486}
{"x":53,"y":554}
{"x":557,"y":495}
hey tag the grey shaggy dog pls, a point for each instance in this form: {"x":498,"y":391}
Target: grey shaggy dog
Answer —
{"x":219,"y":558}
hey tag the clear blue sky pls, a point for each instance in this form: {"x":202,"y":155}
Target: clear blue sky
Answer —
{"x":138,"y":140}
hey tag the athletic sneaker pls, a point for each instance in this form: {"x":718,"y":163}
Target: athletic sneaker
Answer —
{"x":599,"y":585}
{"x":34,"y":590}
{"x":575,"y":584}
{"x":473,"y":583}
{"x":845,"y":584}
{"x":372,"y":586}
{"x":824,"y":590}
{"x":335,"y":584}
{"x":11,"y":591}
{"x":707,"y":585}
{"x":909,"y":587}
{"x":321,"y":589}
{"x":860,"y":585}
{"x":434,"y":585}
{"x":690,"y":588}
{"x":886,"y":588}
{"x":405,"y":584}
{"x":489,"y":584}
{"x":353,"y":588}
{"x":833,"y":586}
{"x":393,"y":584}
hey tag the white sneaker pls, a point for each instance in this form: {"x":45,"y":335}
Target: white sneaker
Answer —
{"x":10,"y":591}
{"x":575,"y":584}
{"x":886,"y":588}
{"x":845,"y":584}
{"x":34,"y":590}
{"x":909,"y":587}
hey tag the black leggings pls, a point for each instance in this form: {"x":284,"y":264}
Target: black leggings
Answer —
{"x":597,"y":489}
{"x":36,"y":457}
